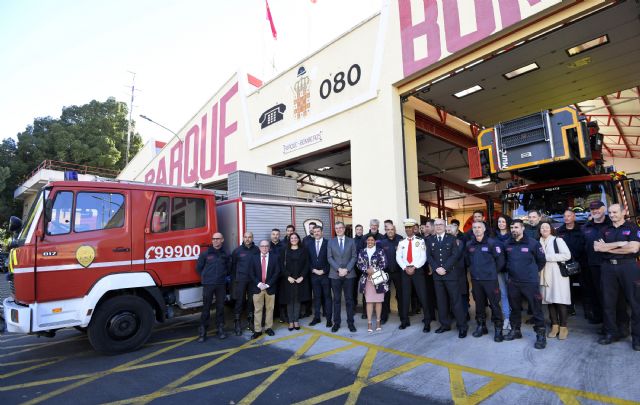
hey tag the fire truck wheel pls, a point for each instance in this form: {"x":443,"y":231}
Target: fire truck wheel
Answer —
{"x":121,"y":324}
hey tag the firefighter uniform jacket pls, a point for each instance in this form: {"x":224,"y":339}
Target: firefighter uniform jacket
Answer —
{"x":445,"y":254}
{"x":242,"y":262}
{"x":484,"y":259}
{"x":213,"y":266}
{"x":418,"y":252}
{"x":525,"y":259}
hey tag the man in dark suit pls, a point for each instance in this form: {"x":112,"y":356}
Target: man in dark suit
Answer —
{"x":317,"y":249}
{"x":341,"y":254}
{"x":264,"y":280}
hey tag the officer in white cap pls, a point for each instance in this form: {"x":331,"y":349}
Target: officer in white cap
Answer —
{"x":411,"y":256}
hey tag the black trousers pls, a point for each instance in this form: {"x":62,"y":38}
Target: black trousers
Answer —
{"x":342,"y":286}
{"x":418,"y":282}
{"x":395,"y":278}
{"x":592,"y":292}
{"x":431,"y":293}
{"x":448,"y":297}
{"x":321,"y":286}
{"x":530,"y":292}
{"x":621,"y":279}
{"x":464,"y":290}
{"x":208,"y":291}
{"x":483,"y":291}
{"x":622,"y":317}
{"x":240,"y":290}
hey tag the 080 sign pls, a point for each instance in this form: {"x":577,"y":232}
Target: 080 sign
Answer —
{"x":340,"y":81}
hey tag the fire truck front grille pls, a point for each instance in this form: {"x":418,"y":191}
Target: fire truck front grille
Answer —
{"x":522,"y":131}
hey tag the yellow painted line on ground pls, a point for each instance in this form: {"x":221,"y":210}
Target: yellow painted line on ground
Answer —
{"x":568,"y":399}
{"x":101,"y":374}
{"x":255,"y":393}
{"x":239,"y":376}
{"x":362,"y":376}
{"x":486,"y":391}
{"x":501,"y":377}
{"x":15,"y":363}
{"x":40,"y":345}
{"x":458,"y":390}
{"x":26,"y":369}
{"x":176,"y":383}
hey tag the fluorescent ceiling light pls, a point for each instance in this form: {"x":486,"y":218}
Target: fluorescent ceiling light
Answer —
{"x":466,"y":92}
{"x":521,"y":70}
{"x":441,"y":78}
{"x":479,"y":182}
{"x":323,"y":169}
{"x":594,"y":43}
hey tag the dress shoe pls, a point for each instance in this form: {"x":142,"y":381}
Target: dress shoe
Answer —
{"x":635,"y":345}
{"x":329,"y":323}
{"x":352,"y":328}
{"x":607,"y":339}
{"x":314,"y":322}
{"x":541,"y":339}
{"x":335,"y":328}
{"x":256,"y":335}
{"x":383,"y":321}
{"x":514,"y":333}
{"x":481,"y":329}
{"x":364,"y":316}
{"x":462,"y":333}
{"x":269,"y":332}
{"x":442,"y":330}
{"x":221,"y":335}
{"x":426,"y":328}
{"x":498,"y":337}
{"x":403,"y":326}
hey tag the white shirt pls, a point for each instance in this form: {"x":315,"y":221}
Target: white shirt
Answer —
{"x":370,"y":252}
{"x":418,"y":252}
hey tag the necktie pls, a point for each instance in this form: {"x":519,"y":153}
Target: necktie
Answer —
{"x":410,"y":251}
{"x":317,"y":248}
{"x":439,"y":239}
{"x":264,"y":268}
{"x":341,"y":244}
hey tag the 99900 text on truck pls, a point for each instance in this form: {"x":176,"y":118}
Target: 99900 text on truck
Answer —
{"x":110,"y":257}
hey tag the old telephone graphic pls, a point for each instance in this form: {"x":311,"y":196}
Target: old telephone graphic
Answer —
{"x":272,"y":115}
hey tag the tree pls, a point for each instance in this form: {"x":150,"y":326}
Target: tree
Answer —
{"x":94,"y":134}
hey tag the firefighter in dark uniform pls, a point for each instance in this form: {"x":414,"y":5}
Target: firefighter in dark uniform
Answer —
{"x":593,"y":231}
{"x":525,"y":260}
{"x":454,"y":230}
{"x":484,"y":257}
{"x":443,"y":255}
{"x":241,"y":267}
{"x":213,"y":265}
{"x":620,"y":271}
{"x":389,"y":243}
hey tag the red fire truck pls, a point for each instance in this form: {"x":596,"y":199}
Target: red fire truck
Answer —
{"x":107,"y":256}
{"x":560,"y":152}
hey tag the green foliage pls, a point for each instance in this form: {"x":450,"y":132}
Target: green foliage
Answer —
{"x":93,"y":134}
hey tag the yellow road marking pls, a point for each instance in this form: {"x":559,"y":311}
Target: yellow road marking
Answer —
{"x":35,"y":346}
{"x":255,"y":393}
{"x":458,"y":391}
{"x":235,"y":377}
{"x":486,"y":391}
{"x":104,"y":373}
{"x":15,"y":363}
{"x":361,"y":377}
{"x":24,"y":370}
{"x":568,"y":399}
{"x":167,"y":388}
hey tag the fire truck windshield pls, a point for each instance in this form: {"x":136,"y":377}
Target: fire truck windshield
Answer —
{"x":553,"y":201}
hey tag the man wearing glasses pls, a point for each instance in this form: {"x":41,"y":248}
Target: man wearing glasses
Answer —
{"x":213,"y":266}
{"x":264,"y":277}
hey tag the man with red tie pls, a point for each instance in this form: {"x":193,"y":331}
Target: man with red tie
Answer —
{"x":411,"y":256}
{"x":264,"y":279}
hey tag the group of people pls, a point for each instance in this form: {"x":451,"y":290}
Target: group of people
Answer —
{"x":430,"y":270}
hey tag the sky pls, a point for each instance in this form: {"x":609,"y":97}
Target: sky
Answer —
{"x":58,"y":53}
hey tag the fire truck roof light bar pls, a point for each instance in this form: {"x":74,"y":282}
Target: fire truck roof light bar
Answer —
{"x":521,"y":71}
{"x":586,"y":46}
{"x":466,"y":92}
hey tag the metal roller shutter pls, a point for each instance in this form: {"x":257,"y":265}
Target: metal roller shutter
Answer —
{"x":262,"y":218}
{"x":304,"y":214}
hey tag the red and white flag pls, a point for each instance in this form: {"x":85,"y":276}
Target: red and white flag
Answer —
{"x":273,"y":27}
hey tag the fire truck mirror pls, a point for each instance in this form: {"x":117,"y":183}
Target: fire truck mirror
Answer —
{"x":15,"y":224}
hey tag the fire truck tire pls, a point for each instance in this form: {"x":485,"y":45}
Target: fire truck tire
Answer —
{"x":121,"y":324}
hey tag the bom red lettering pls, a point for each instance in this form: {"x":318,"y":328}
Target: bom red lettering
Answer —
{"x":150,"y":176}
{"x":447,"y":39}
{"x":175,"y":165}
{"x":162,"y":172}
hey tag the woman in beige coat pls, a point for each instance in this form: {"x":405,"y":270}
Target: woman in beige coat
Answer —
{"x":555,"y":289}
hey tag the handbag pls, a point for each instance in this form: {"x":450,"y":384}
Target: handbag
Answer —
{"x":568,"y":268}
{"x":379,"y":277}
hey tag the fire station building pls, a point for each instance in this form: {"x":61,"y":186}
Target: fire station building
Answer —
{"x":380,"y":119}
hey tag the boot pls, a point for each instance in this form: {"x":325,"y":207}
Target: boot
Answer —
{"x":481,"y":329}
{"x":498,"y":337}
{"x":221,"y":334}
{"x":202,"y":334}
{"x":514,"y":333}
{"x":554,"y":331}
{"x":541,"y":340}
{"x":564,"y":332}
{"x":237,"y":328}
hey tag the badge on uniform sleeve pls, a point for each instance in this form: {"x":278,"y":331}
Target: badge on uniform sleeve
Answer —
{"x":626,"y":233}
{"x":85,"y":255}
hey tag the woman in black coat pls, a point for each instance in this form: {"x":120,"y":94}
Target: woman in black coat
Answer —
{"x":294,"y":263}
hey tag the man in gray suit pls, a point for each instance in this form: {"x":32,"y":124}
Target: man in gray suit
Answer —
{"x":341,"y":254}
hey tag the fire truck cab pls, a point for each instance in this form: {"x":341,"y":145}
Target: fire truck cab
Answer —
{"x":111,"y":257}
